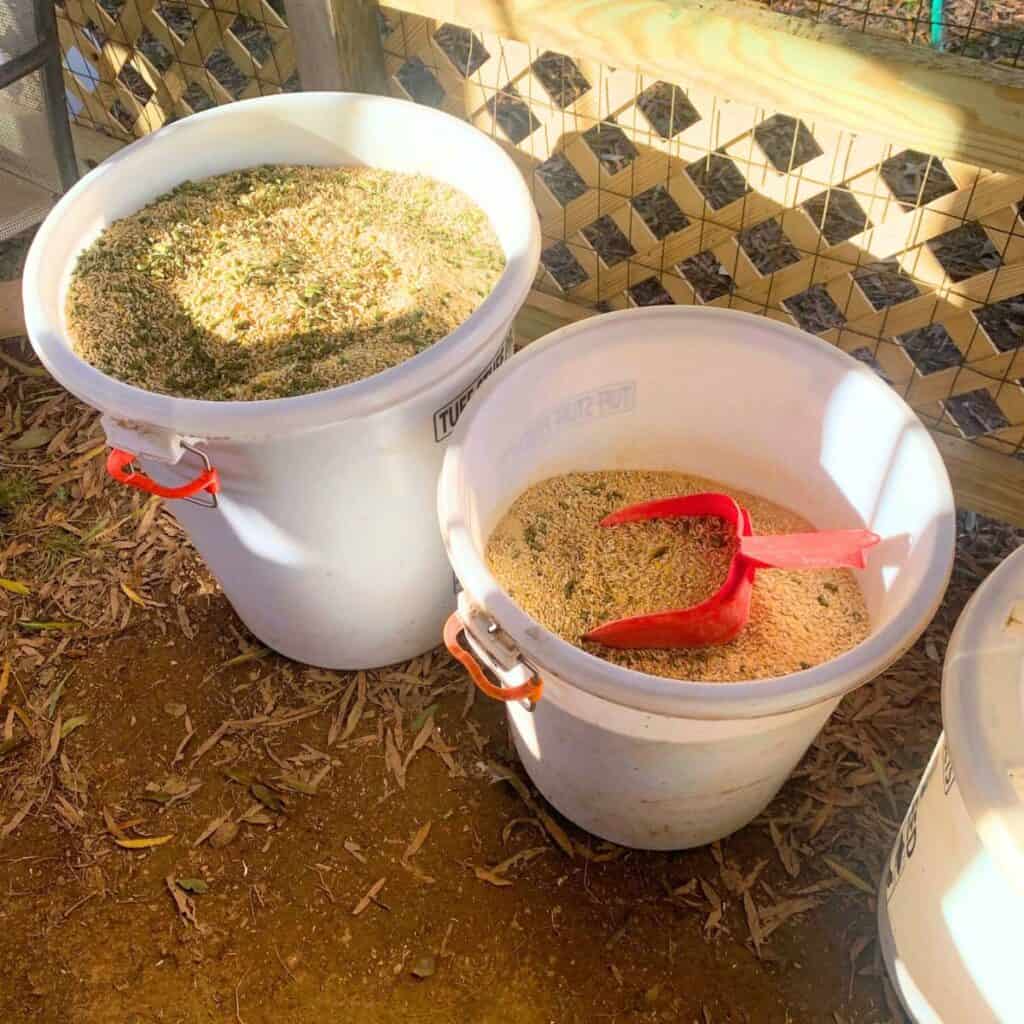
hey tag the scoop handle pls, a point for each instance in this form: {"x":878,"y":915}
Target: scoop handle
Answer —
{"x":827,"y":549}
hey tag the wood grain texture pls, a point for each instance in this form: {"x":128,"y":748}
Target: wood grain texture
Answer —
{"x":337,"y":45}
{"x":983,"y":480}
{"x":12,"y":319}
{"x":946,"y":105}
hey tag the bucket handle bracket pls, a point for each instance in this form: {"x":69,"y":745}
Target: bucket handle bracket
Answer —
{"x":475,"y":659}
{"x":120,"y":465}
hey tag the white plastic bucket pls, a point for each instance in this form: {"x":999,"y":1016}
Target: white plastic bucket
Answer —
{"x":325,"y":539}
{"x":658,"y":763}
{"x":951,"y":901}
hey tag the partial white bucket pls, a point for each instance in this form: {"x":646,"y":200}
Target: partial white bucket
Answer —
{"x":325,"y":539}
{"x":951,"y":900}
{"x":658,"y":763}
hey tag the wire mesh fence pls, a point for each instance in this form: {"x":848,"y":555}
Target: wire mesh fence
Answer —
{"x":989,"y":30}
{"x":650,"y":192}
{"x":132,"y":66}
{"x":653,"y":192}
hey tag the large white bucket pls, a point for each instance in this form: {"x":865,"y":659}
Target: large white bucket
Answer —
{"x":658,"y":763}
{"x":325,"y":539}
{"x":951,"y":900}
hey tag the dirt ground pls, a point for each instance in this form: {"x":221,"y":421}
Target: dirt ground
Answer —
{"x":194,"y":830}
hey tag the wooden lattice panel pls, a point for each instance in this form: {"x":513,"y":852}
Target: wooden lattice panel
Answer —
{"x":650,"y":192}
{"x":133,"y":65}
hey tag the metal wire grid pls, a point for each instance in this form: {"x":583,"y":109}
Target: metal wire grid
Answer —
{"x":131,"y":66}
{"x":652,"y":193}
{"x":990,"y":30}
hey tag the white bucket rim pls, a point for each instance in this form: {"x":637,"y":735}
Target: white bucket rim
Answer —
{"x":983,"y":715}
{"x":361,"y":398}
{"x":674,"y":697}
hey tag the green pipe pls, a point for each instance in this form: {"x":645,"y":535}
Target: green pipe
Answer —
{"x":937,"y":33}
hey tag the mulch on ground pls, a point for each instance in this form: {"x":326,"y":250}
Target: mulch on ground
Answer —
{"x":193,"y":828}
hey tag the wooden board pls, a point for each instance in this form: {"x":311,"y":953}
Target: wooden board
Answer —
{"x":12,"y":320}
{"x":949,"y":106}
{"x":843,"y":212}
{"x":337,"y":45}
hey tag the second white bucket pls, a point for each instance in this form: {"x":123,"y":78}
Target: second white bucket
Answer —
{"x":659,"y":763}
{"x":324,"y":538}
{"x":951,"y":900}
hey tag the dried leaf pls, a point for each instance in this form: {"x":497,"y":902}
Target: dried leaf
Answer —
{"x":425,"y":967}
{"x":357,"y":709}
{"x":848,"y":876}
{"x":883,"y":778}
{"x":133,"y":596}
{"x":172,"y":791}
{"x":47,"y":627}
{"x":183,"y":621}
{"x":34,"y":437}
{"x":607,"y":852}
{"x":143,"y":844}
{"x":112,"y":826}
{"x":522,"y":857}
{"x":369,"y":897}
{"x":393,"y":759}
{"x":51,"y":752}
{"x":240,"y":659}
{"x":267,"y":797}
{"x":513,"y":823}
{"x":72,"y":724}
{"x":789,"y":859}
{"x":257,"y":815}
{"x":224,"y":835}
{"x":70,"y":813}
{"x":15,"y":587}
{"x":174,"y":709}
{"x":51,"y":701}
{"x":23,"y":368}
{"x":18,"y":818}
{"x":490,"y":877}
{"x":421,"y":740}
{"x":211,"y":741}
{"x":420,"y":720}
{"x":5,"y":677}
{"x":297,"y":784}
{"x":185,"y":905}
{"x":355,"y":850}
{"x":8,"y":747}
{"x":753,"y":922}
{"x":416,"y":844}
{"x":557,"y":833}
{"x":776,"y":915}
{"x":179,"y":754}
{"x":193,"y":885}
{"x":210,"y":829}
{"x":496,"y":874}
{"x":337,"y":722}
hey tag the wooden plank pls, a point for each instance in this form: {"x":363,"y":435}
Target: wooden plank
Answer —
{"x":939,"y":103}
{"x":12,"y":319}
{"x":337,"y":45}
{"x":984,"y":481}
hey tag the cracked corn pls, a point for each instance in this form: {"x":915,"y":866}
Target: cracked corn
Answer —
{"x":570,"y":574}
{"x":279,"y":281}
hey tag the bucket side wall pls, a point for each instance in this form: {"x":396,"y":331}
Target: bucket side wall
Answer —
{"x":653,"y":782}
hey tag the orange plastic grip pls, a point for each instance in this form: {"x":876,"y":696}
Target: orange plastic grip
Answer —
{"x":119,"y":464}
{"x":530,"y":690}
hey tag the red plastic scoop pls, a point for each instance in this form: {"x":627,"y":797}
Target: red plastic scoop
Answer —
{"x":720,"y":618}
